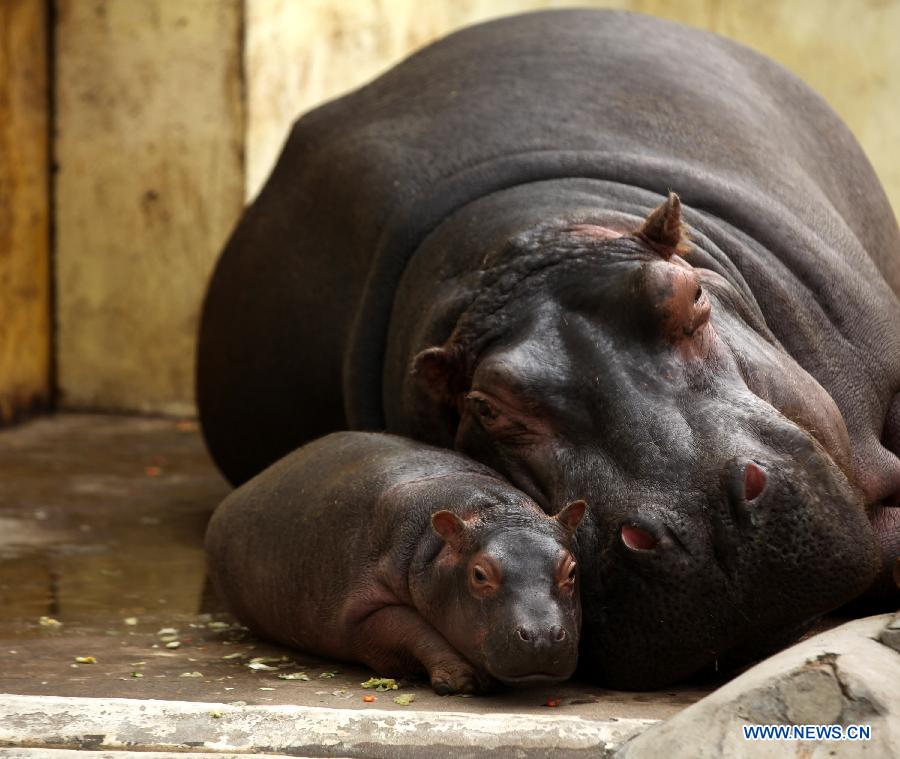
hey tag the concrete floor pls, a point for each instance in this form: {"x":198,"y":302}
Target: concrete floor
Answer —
{"x":101,"y":528}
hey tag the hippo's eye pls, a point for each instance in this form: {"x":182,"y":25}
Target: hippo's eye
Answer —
{"x":571,"y":577}
{"x":484,"y":578}
{"x":698,"y":294}
{"x":484,"y":409}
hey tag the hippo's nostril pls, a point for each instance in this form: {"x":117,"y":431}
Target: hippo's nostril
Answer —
{"x":754,"y":481}
{"x":523,"y":633}
{"x":637,"y":539}
{"x":558,"y":633}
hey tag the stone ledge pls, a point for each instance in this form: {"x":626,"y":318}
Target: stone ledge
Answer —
{"x":109,"y":724}
{"x":845,"y":676}
{"x":72,"y":753}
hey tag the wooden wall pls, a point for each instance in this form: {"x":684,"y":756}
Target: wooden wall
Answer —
{"x":299,"y":54}
{"x":24,"y":210}
{"x":149,"y":142}
{"x":170,"y":113}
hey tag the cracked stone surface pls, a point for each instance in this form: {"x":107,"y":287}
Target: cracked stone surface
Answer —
{"x":849,"y":675}
{"x":890,"y":636}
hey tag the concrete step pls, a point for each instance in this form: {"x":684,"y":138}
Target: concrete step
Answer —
{"x":120,"y":723}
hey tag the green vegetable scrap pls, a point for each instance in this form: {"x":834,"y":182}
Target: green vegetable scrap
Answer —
{"x":191,"y":674}
{"x":329,"y":675}
{"x":137,"y":674}
{"x":294,"y":676}
{"x":258,"y":665}
{"x":85,"y":660}
{"x":381,"y":683}
{"x":235,"y":655}
{"x":50,"y":622}
{"x":405,"y":699}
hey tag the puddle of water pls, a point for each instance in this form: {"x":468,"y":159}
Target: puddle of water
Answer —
{"x":98,"y":576}
{"x":102,"y":519}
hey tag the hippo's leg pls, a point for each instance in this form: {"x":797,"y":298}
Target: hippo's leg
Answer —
{"x":396,"y":639}
{"x":885,"y":590}
{"x":885,"y":514}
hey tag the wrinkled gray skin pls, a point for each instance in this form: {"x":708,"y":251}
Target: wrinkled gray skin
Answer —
{"x":377,"y":549}
{"x":450,"y":253}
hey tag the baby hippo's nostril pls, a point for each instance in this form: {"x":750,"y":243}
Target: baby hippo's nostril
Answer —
{"x":523,"y":633}
{"x":557,"y":633}
{"x":754,"y":481}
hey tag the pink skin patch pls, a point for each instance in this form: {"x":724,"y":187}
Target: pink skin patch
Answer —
{"x":595,"y":232}
{"x":754,"y":481}
{"x":637,"y":539}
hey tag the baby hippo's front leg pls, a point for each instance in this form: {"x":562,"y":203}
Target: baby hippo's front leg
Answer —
{"x":396,"y":640}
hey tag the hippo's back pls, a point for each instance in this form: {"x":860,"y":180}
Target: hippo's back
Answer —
{"x":292,"y":547}
{"x":295,"y":321}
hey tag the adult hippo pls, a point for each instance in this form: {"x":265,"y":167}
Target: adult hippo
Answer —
{"x":466,"y":251}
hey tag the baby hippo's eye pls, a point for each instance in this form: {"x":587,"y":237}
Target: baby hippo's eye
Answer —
{"x":484,"y":576}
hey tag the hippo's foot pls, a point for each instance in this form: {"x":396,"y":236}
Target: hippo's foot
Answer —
{"x":449,"y":678}
{"x":399,"y":639}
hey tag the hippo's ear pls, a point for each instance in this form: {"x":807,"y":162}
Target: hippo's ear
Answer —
{"x":439,"y":372}
{"x":570,"y":517}
{"x":437,"y":383}
{"x":663,"y":228}
{"x":449,"y":526}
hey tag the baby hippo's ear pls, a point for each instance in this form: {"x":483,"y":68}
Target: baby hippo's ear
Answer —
{"x":450,"y":527}
{"x":570,"y":517}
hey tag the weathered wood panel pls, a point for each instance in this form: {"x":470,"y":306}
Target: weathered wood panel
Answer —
{"x":301,"y":53}
{"x":150,"y":152}
{"x":24,"y":214}
{"x":151,"y":135}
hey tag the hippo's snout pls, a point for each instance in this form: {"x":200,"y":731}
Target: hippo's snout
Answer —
{"x":537,"y":652}
{"x":555,"y":634}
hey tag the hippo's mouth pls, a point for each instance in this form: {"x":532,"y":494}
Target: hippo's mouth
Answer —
{"x":529,"y":679}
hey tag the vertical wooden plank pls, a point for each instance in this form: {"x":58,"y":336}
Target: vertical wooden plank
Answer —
{"x":149,"y":124}
{"x":24,"y":210}
{"x":300,"y":54}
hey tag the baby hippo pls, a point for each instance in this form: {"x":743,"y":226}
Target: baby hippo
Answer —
{"x":377,"y":549}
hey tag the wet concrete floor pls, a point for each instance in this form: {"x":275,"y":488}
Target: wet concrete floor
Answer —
{"x":101,"y":528}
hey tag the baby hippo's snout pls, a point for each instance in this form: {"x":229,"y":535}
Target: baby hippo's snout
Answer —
{"x":541,"y":637}
{"x":538,"y":651}
{"x":533,"y":636}
{"x":513,"y":580}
